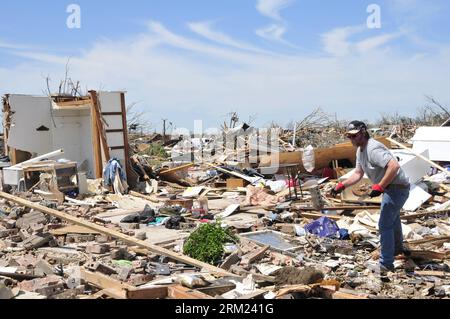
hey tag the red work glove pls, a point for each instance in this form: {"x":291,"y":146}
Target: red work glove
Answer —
{"x":338,"y":189}
{"x":377,"y":190}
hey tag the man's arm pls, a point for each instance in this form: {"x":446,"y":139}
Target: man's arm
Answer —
{"x":391,"y":172}
{"x":354,"y":178}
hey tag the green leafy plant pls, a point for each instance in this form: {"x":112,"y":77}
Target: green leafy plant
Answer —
{"x":206,"y":242}
{"x":156,"y":149}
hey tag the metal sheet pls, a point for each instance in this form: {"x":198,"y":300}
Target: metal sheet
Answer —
{"x":270,"y":238}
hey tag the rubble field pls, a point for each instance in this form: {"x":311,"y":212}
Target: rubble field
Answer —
{"x":151,"y":224}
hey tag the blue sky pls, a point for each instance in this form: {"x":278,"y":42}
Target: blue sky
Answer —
{"x":276,"y":59}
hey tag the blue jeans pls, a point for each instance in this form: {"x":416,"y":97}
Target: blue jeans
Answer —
{"x":391,"y":235}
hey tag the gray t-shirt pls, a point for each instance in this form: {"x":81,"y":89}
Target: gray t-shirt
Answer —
{"x":373,"y":160}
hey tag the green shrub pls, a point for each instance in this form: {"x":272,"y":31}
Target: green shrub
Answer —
{"x":156,"y":149}
{"x":206,"y":243}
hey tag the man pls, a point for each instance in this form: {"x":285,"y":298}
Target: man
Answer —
{"x":382,"y":168}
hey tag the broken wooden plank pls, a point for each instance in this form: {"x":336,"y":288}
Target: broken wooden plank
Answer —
{"x":100,"y":128}
{"x":146,"y":197}
{"x":346,"y":295}
{"x":103,"y":281}
{"x":156,"y":292}
{"x":431,"y":240}
{"x":113,"y":293}
{"x":72,"y":229}
{"x":116,"y":234}
{"x":254,"y":255}
{"x":343,"y":207}
{"x":176,"y":169}
{"x":291,"y":289}
{"x":180,"y":292}
{"x":217,"y":290}
{"x":425,"y":214}
{"x":318,"y":215}
{"x":433,"y":273}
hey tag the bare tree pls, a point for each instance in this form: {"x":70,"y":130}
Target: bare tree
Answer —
{"x":136,"y":119}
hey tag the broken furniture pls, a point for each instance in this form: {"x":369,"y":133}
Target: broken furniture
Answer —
{"x":65,"y":174}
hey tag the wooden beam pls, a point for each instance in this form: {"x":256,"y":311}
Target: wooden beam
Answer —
{"x":254,"y":255}
{"x":157,"y":292}
{"x":128,"y":169}
{"x":180,"y":292}
{"x":136,"y":194}
{"x":425,"y":214}
{"x":113,"y":293}
{"x":100,"y":128}
{"x":118,"y":235}
{"x":432,"y":273}
{"x":346,"y":295}
{"x":348,"y":207}
{"x":111,"y":113}
{"x":96,"y":144}
{"x":322,"y":156}
{"x":68,"y":104}
{"x":176,"y":169}
{"x":103,"y":281}
{"x":111,"y":287}
{"x":119,"y":130}
{"x":419,"y":156}
{"x":318,"y":215}
{"x":431,"y":240}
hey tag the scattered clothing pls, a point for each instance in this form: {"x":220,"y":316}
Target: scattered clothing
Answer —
{"x":144,"y":217}
{"x":114,"y":175}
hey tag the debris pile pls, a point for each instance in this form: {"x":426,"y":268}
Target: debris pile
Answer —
{"x":154,"y":227}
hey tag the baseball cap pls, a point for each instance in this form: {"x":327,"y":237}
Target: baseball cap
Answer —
{"x":355,"y":127}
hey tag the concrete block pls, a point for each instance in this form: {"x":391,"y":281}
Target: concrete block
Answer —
{"x":9,"y":224}
{"x":43,"y":268}
{"x":36,"y":241}
{"x":97,"y":248}
{"x":5,"y":292}
{"x":122,"y":254}
{"x":104,"y":269}
{"x":24,"y":234}
{"x":140,"y":279}
{"x":37,"y":228}
{"x":33,"y":217}
{"x":4,"y":232}
{"x":124,"y":273}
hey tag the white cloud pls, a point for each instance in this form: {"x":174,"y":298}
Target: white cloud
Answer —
{"x":7,"y":45}
{"x":272,"y":8}
{"x":375,"y":42}
{"x":337,"y":42}
{"x":273,"y":32}
{"x":183,"y":79}
{"x":205,"y":30}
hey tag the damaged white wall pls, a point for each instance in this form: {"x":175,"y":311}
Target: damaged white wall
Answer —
{"x":72,"y":132}
{"x":111,"y":102}
{"x":29,"y":113}
{"x":39,"y":128}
